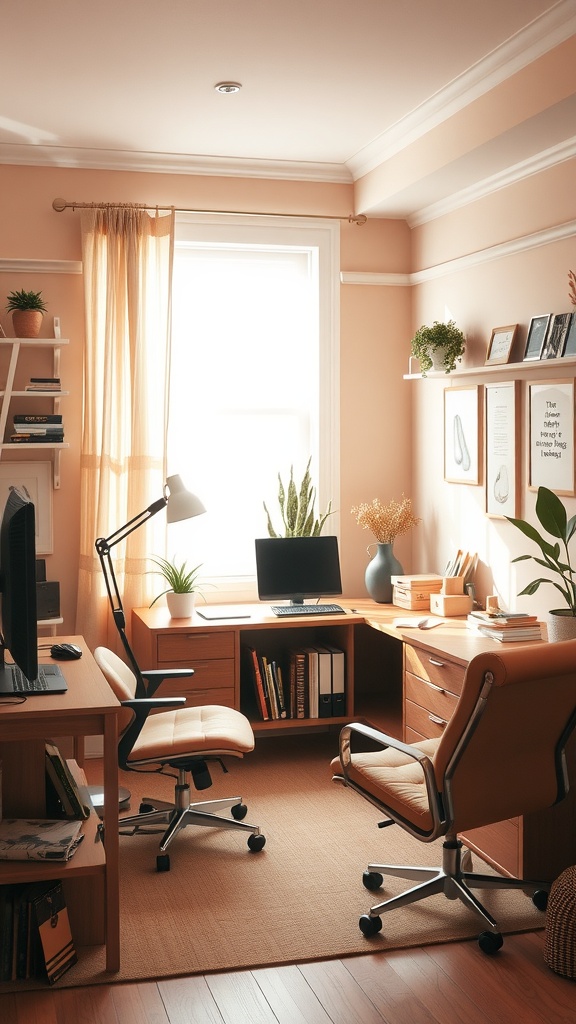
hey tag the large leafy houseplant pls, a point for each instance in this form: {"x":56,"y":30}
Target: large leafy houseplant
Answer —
{"x":553,"y":517}
{"x":428,"y":341}
{"x":297,"y":508}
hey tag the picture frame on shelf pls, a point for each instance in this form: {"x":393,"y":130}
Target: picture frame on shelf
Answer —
{"x":500,"y":345}
{"x":502,"y":467}
{"x":570,"y":343}
{"x":556,"y":336}
{"x":551,"y":434}
{"x":537,"y":332}
{"x":462,"y":434}
{"x":34,"y":479}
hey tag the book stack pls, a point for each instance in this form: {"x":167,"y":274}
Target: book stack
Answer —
{"x":414,"y":591}
{"x":35,"y":935}
{"x":308,"y":683}
{"x":506,"y":627}
{"x":37,"y":427}
{"x":73,"y":799}
{"x":44,"y":385}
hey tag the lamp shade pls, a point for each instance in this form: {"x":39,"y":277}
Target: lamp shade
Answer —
{"x":181,"y":504}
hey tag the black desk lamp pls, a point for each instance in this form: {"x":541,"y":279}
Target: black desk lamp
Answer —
{"x":180,"y":504}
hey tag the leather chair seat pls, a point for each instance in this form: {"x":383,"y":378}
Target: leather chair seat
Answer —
{"x":210,"y":730}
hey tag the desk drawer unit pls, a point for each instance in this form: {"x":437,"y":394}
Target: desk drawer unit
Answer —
{"x":211,"y":655}
{"x":432,"y":686}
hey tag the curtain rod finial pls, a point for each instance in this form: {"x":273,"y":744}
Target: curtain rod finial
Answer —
{"x":59,"y":205}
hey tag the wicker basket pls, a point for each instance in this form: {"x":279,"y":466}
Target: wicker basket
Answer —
{"x":560,"y":938}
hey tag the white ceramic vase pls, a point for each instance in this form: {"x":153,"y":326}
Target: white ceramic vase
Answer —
{"x":561,"y":625}
{"x":180,"y":606}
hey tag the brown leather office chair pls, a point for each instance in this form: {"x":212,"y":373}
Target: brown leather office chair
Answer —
{"x":501,"y":755}
{"x":182,"y":738}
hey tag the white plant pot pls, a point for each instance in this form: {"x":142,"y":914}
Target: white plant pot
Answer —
{"x":180,"y":606}
{"x":561,"y":625}
{"x":437,"y":357}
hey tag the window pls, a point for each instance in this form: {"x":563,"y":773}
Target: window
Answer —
{"x":254,"y":380}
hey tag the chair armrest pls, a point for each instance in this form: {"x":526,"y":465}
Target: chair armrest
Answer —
{"x":155,"y":676}
{"x":141,"y":707}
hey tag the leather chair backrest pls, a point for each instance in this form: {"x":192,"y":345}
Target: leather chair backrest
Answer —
{"x":508,"y":762}
{"x":121,"y":679}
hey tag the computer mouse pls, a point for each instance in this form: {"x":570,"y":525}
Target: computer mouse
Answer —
{"x":65,"y":652}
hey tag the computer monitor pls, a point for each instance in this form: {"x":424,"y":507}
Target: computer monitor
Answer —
{"x":19,"y":630}
{"x":294,"y":568}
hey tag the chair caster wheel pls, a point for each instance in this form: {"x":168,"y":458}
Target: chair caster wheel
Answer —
{"x":145,"y":809}
{"x":372,"y":880}
{"x":540,"y":899}
{"x":239,"y":811}
{"x":256,"y":843}
{"x":490,"y":942}
{"x":163,"y":862}
{"x":369,"y":925}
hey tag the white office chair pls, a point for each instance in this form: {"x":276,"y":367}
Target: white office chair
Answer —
{"x":182,"y":738}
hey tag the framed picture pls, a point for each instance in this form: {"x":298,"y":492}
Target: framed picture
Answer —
{"x":34,"y":479}
{"x":551,"y":431}
{"x":502,"y":467}
{"x":462,"y":435}
{"x":536,"y":336}
{"x":570,"y":343}
{"x":556,"y":337}
{"x":500,"y":344}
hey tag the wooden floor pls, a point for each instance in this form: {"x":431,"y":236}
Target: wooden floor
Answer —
{"x":447,"y":984}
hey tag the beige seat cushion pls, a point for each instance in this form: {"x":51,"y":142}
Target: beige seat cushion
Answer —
{"x":206,"y":730}
{"x":394,"y":779}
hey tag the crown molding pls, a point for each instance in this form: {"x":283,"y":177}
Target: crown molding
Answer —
{"x":369,"y":278}
{"x":8,"y":266}
{"x":526,"y":46}
{"x":495,"y":182}
{"x":172,"y":163}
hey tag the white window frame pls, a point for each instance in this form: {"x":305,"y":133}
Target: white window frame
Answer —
{"x":323,"y":236}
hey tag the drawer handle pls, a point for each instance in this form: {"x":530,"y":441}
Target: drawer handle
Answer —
{"x":439,"y":689}
{"x":439,"y":664}
{"x":437,"y":720}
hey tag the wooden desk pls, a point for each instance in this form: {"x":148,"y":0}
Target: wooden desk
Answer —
{"x":90,"y":878}
{"x":422,"y":669}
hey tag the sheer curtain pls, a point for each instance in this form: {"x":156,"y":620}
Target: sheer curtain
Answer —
{"x":127,"y":261}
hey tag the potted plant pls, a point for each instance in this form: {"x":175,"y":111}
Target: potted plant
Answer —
{"x":182,"y":586}
{"x":27,"y":310}
{"x":552,"y":516}
{"x":297,"y":508}
{"x":438,"y":347}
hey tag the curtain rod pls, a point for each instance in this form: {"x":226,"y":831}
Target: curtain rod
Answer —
{"x":61,"y":204}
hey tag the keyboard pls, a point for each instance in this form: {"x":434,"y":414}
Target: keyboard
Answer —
{"x":49,"y":680}
{"x":306,"y":609}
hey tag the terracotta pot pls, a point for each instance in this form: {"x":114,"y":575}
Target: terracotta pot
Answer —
{"x":27,"y":322}
{"x":561,"y":625}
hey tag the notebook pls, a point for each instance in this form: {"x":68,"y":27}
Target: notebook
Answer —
{"x":50,"y":680}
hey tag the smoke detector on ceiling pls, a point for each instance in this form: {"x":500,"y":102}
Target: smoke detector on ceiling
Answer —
{"x":228,"y":87}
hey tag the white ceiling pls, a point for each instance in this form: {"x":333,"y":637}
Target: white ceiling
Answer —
{"x":330,"y":87}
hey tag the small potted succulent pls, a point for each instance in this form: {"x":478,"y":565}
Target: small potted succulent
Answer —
{"x":27,"y":310}
{"x":438,"y":347}
{"x":182,"y":587}
{"x":555,"y":559}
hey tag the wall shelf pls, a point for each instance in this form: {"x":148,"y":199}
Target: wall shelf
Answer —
{"x":546,"y":366}
{"x":9,"y":393}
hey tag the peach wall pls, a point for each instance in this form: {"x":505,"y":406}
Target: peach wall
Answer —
{"x":482,"y":293}
{"x":374,"y":334}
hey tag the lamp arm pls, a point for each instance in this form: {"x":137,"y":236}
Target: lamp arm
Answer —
{"x":103,"y":547}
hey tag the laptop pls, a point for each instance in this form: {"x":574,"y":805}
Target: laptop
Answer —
{"x":49,"y":680}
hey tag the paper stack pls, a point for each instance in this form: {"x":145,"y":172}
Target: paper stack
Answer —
{"x":512,"y":627}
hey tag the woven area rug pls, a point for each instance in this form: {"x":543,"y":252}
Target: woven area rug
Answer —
{"x":221,"y":907}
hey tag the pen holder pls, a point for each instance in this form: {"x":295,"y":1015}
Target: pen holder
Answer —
{"x":453,"y":585}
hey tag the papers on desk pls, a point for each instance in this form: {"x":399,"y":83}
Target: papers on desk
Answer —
{"x":424,"y":622}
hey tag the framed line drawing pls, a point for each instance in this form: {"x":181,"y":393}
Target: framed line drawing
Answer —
{"x":556,"y":337}
{"x":462,"y":435}
{"x":536,"y":336}
{"x":551,"y":431}
{"x":500,"y":344}
{"x":502,"y":467}
{"x":570,"y":343}
{"x":34,"y":479}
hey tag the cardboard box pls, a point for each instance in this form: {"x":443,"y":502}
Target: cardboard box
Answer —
{"x":450,"y":604}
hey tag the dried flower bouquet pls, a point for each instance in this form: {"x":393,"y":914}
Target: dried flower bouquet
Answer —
{"x":386,"y":521}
